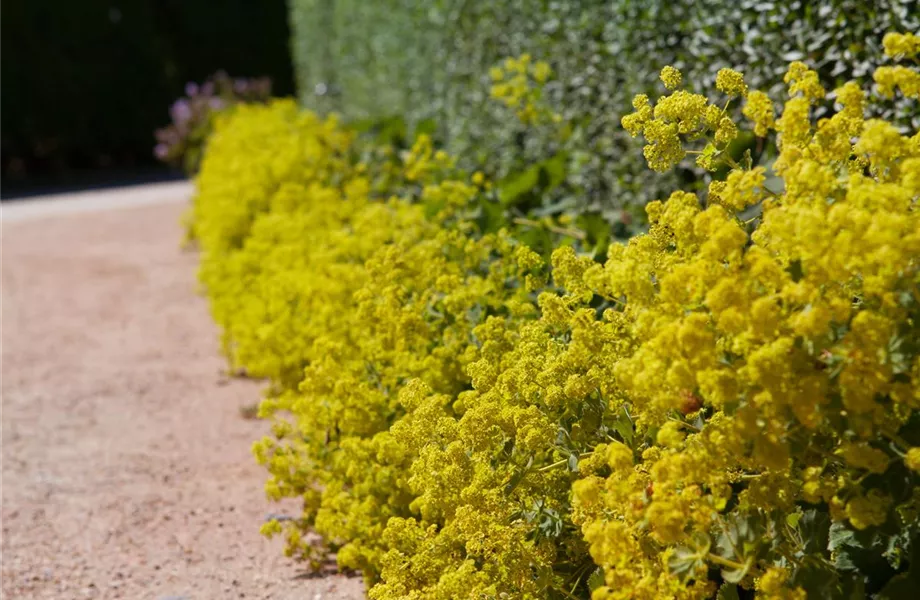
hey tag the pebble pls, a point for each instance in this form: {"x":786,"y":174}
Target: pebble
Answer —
{"x":278,"y":517}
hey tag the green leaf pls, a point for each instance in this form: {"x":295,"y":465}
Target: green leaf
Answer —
{"x":685,"y":561}
{"x":624,"y":426}
{"x":815,"y":527}
{"x":710,"y":151}
{"x":433,"y":206}
{"x":841,"y":543}
{"x":572,"y":462}
{"x":555,"y":170}
{"x":736,"y":575}
{"x":596,"y":579}
{"x":518,"y":476}
{"x":905,"y":586}
{"x":818,"y":578}
{"x":597,"y":229}
{"x":491,"y":216}
{"x":728,"y":591}
{"x":550,"y":525}
{"x":854,"y":588}
{"x":540,"y":177}
{"x":741,"y":534}
{"x":516,"y":185}
{"x":861,"y":553}
{"x":426,"y":127}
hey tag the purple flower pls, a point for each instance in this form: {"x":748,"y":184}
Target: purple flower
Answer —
{"x":182,"y":140}
{"x":181,"y":112}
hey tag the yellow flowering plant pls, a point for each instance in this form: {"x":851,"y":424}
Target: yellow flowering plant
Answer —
{"x":347,"y":300}
{"x":774,"y":381}
{"x":728,"y":406}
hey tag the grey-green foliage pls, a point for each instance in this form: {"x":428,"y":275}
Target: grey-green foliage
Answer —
{"x":428,"y":61}
{"x":363,"y":59}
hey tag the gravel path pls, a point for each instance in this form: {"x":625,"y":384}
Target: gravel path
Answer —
{"x":125,"y":461}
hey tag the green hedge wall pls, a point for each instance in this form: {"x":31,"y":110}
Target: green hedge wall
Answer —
{"x":429,"y":62}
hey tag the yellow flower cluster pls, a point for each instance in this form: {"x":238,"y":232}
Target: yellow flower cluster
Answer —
{"x":731,"y":82}
{"x":518,"y":84}
{"x":725,"y":402}
{"x":692,"y":116}
{"x":901,"y":45}
{"x":774,"y":369}
{"x":893,"y":77}
{"x":670,"y":77}
{"x":266,"y":160}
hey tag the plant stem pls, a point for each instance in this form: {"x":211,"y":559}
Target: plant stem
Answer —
{"x":685,"y":424}
{"x":894,"y":437}
{"x":553,"y":466}
{"x":579,"y":235}
{"x":731,"y":564}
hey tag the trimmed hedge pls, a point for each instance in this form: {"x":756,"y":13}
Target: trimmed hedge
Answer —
{"x":727,"y":405}
{"x":428,"y":62}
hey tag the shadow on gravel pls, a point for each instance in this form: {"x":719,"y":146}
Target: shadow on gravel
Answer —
{"x":12,"y":189}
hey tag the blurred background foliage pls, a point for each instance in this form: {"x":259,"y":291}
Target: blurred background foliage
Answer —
{"x":182,"y":143}
{"x":85,"y":84}
{"x":429,"y":62}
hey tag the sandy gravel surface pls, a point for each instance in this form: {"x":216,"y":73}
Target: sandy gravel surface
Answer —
{"x":125,"y":461}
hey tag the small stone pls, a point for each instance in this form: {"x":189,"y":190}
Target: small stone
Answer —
{"x":278,"y":517}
